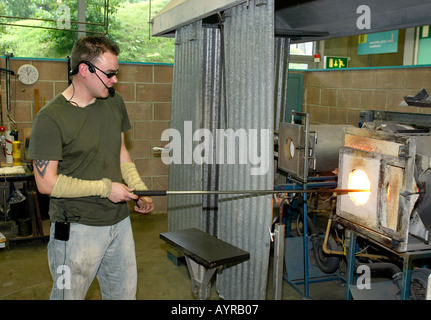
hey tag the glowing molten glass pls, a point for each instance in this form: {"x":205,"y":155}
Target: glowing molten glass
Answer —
{"x":358,"y":179}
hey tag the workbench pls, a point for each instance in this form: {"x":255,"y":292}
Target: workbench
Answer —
{"x":204,"y":254}
{"x":32,"y":203}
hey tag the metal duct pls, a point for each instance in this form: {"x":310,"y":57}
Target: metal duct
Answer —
{"x":243,"y":221}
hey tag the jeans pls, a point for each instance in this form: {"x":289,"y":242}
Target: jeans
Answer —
{"x":107,"y":252}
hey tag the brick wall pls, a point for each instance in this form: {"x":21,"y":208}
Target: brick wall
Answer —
{"x":146,"y":89}
{"x":331,"y":97}
{"x":337,"y":96}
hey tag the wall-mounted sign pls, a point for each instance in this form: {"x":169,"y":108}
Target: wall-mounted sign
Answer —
{"x":336,"y":62}
{"x":380,"y":42}
{"x":425,"y":32}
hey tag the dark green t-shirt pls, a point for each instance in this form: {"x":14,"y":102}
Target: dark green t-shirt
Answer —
{"x":86,"y":142}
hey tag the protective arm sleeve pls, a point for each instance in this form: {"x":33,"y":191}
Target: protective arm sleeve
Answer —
{"x":131,"y":176}
{"x":69,"y":187}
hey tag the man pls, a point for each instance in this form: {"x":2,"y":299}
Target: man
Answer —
{"x":80,"y":160}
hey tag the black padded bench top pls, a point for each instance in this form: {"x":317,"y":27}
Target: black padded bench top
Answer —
{"x":205,"y":249}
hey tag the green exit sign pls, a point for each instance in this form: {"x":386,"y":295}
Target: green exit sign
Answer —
{"x":336,"y":62}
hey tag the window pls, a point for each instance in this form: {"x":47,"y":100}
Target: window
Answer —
{"x":304,"y":49}
{"x":302,"y":55}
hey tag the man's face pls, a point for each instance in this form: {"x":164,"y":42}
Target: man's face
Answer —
{"x":106,"y":64}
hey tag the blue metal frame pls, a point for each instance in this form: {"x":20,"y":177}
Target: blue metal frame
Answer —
{"x":314,"y":183}
{"x":350,"y":264}
{"x":294,"y":258}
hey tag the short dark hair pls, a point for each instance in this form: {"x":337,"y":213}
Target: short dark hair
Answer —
{"x":91,"y":47}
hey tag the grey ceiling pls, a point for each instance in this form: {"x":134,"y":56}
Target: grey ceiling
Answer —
{"x":338,"y":18}
{"x":306,"y":20}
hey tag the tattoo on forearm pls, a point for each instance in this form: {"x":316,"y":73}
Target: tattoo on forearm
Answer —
{"x":41,"y":166}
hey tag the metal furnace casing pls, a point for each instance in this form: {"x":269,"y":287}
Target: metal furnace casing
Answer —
{"x":396,"y":214}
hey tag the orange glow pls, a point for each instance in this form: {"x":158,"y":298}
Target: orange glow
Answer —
{"x":389,"y":193}
{"x":358,"y":179}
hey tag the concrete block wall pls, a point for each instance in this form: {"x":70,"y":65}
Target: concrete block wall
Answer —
{"x":330,"y":96}
{"x":146,"y":89}
{"x":337,"y":96}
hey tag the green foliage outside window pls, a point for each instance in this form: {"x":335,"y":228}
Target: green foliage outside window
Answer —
{"x":39,"y":36}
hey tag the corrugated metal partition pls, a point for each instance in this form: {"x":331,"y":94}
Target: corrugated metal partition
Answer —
{"x":244,"y":221}
{"x":186,"y":211}
{"x":196,"y":99}
{"x":224,"y":79}
{"x":282,"y":53}
{"x":211,"y":104}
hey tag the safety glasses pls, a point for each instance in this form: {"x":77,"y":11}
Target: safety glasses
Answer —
{"x":108,"y":75}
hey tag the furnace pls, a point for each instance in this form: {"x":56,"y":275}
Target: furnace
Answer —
{"x":393,"y":161}
{"x":322,"y":142}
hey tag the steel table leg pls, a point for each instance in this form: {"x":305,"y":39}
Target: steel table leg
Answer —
{"x":278,"y":260}
{"x":200,"y":278}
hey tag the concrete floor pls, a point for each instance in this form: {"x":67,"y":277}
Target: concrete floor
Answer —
{"x":25,"y":274}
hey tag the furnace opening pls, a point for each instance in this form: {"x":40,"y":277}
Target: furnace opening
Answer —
{"x":358,"y":179}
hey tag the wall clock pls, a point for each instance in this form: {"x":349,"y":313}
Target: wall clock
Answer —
{"x":28,"y":74}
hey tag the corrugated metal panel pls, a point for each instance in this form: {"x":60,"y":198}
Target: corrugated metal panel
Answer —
{"x":211,"y":102}
{"x":237,"y":95}
{"x":244,"y":221}
{"x":196,"y":98}
{"x":186,"y":211}
{"x":282,"y":50}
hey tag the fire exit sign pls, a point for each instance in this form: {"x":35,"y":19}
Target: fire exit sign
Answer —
{"x":336,"y":62}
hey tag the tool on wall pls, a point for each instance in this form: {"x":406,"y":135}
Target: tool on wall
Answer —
{"x":36,"y":101}
{"x":3,"y":133}
{"x":13,"y":153}
{"x":8,"y":81}
{"x":39,"y":101}
{"x":14,"y":131}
